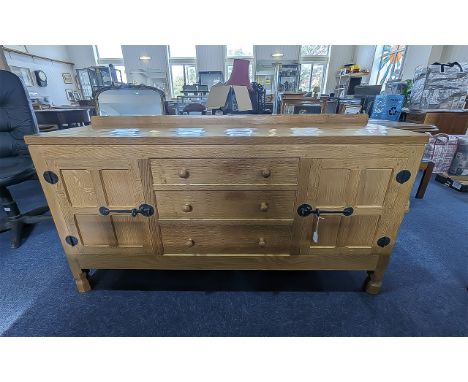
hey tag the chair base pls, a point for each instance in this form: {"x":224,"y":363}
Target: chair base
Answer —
{"x":16,"y":224}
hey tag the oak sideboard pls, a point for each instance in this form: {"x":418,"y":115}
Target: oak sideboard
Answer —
{"x":325,"y":192}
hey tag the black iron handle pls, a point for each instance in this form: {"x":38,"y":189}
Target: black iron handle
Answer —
{"x":306,"y":210}
{"x":144,"y":209}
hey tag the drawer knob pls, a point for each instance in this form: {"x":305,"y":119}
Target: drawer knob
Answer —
{"x":187,"y":208}
{"x":261,"y":242}
{"x":264,"y":206}
{"x":184,"y":173}
{"x":189,"y":243}
{"x":266,"y":172}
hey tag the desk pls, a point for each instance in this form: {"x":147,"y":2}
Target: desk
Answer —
{"x":231,"y":193}
{"x":61,"y":117}
{"x":448,"y":121}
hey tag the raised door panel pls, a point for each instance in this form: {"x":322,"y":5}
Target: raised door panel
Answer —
{"x":369,"y":186}
{"x":84,"y":187}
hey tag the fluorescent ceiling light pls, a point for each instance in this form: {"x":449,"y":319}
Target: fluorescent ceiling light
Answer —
{"x":145,"y":57}
{"x":277,"y":55}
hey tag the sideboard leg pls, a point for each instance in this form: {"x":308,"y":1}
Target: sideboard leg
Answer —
{"x":374,"y":279}
{"x":82,"y":282}
{"x":80,"y":275}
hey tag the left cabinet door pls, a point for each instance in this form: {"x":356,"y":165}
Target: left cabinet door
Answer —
{"x":84,"y":187}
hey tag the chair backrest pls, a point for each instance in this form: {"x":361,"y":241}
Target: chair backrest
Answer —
{"x":129,"y":100}
{"x":194,"y":108}
{"x":17,"y":117}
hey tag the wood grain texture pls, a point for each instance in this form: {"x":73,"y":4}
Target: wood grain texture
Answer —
{"x":231,"y":171}
{"x":227,"y":201}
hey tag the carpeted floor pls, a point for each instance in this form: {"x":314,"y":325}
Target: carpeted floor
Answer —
{"x":424,"y":291}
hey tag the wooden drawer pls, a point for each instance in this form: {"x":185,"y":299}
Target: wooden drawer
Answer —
{"x":200,"y":238}
{"x":263,"y":171}
{"x":225,"y":204}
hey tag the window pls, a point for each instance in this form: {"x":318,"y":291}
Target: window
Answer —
{"x":109,"y":51}
{"x":122,"y":71}
{"x":314,"y":61}
{"x":389,"y":63}
{"x":312,"y":76}
{"x":183,"y":68}
{"x":314,"y":50}
{"x":182,"y":74}
{"x":239,"y":51}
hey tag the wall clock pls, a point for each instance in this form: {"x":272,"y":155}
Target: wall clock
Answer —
{"x":41,"y":78}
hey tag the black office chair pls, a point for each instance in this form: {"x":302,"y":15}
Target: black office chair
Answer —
{"x":17,"y":119}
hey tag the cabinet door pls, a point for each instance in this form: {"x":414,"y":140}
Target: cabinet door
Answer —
{"x":84,"y":187}
{"x":369,"y":186}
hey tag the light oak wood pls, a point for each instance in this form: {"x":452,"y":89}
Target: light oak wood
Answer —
{"x":223,"y":201}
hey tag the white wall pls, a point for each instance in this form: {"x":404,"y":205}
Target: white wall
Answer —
{"x":55,"y":88}
{"x":339,"y":56}
{"x":210,"y":57}
{"x":83,"y":56}
{"x":453,"y":53}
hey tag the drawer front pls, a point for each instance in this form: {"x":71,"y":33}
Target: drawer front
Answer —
{"x":268,"y":171}
{"x":225,"y":239}
{"x":225,"y":204}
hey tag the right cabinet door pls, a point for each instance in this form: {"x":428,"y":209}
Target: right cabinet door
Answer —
{"x":367,"y":185}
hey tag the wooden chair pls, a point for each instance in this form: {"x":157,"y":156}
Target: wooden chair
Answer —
{"x":428,"y":167}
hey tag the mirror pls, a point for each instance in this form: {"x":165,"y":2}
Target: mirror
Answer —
{"x":130,"y":101}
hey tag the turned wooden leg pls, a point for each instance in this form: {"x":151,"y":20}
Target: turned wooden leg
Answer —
{"x":82,"y":282}
{"x":374,"y":279}
{"x":372,"y":283}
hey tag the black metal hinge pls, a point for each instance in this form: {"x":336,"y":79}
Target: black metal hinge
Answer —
{"x":383,"y":241}
{"x":403,"y":176}
{"x":71,"y":240}
{"x":50,"y":177}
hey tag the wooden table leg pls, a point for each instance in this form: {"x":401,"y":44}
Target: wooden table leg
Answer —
{"x":428,"y":167}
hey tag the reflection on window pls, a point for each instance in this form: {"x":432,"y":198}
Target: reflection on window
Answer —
{"x":314,"y":50}
{"x":109,"y":51}
{"x":182,"y":74}
{"x":182,"y":51}
{"x":312,"y":75}
{"x":229,"y":71}
{"x":239,"y":50}
{"x":122,"y":72}
{"x":390,"y":63}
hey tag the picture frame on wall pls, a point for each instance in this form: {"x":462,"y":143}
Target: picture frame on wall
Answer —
{"x":67,"y":78}
{"x":70,"y":94}
{"x":24,"y":74}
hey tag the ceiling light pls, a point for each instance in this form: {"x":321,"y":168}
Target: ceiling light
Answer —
{"x":145,"y":58}
{"x":277,"y":55}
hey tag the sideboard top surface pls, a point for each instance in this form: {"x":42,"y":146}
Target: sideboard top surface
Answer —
{"x":134,"y":130}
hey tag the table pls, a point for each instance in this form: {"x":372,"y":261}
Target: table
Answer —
{"x":64,"y":118}
{"x":453,"y":122}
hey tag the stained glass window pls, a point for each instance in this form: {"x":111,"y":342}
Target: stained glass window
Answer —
{"x":314,"y":50}
{"x":391,"y":63}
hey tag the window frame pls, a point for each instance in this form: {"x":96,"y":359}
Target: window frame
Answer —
{"x":187,"y":61}
{"x":317,"y":59}
{"x":229,"y":61}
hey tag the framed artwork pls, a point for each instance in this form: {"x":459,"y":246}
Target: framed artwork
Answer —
{"x":70,"y":94}
{"x":67,"y":78}
{"x":24,"y":74}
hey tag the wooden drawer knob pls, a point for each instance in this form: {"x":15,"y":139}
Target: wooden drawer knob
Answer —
{"x":261,"y":242}
{"x":184,"y":173}
{"x":266,"y":172}
{"x":263,"y":206}
{"x":189,"y":243}
{"x":187,"y":207}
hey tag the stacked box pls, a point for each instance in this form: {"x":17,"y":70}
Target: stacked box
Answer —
{"x":440,"y":86}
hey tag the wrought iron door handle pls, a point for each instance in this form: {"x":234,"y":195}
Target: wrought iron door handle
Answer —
{"x":306,"y":210}
{"x":144,"y":209}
